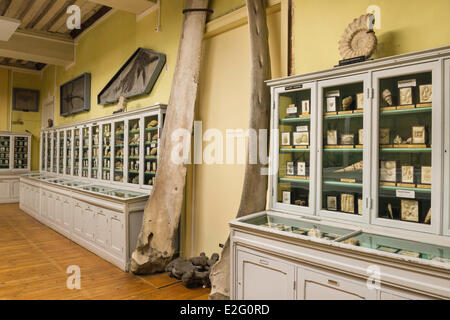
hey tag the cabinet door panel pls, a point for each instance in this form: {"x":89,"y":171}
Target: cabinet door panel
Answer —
{"x":4,"y":190}
{"x":58,"y":211}
{"x":101,"y":227}
{"x":117,"y":235}
{"x":318,"y":285}
{"x":88,"y":222}
{"x":67,"y":214}
{"x":51,"y":206}
{"x":44,"y":204}
{"x":78,"y":218}
{"x":15,"y":189}
{"x":264,"y":279}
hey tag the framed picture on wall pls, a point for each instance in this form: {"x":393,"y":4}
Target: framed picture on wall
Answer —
{"x":25,"y":100}
{"x":75,"y":95}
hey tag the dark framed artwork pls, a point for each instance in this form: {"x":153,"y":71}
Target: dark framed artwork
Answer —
{"x":75,"y":95}
{"x":25,"y":100}
{"x":136,"y":77}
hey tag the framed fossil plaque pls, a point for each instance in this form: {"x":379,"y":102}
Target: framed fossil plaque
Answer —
{"x":332,"y":137}
{"x":332,"y":203}
{"x":410,"y":210}
{"x":305,"y":107}
{"x":347,"y":139}
{"x":407,"y":174}
{"x":301,"y":169}
{"x":388,"y":171}
{"x":361,"y":136}
{"x":301,"y":138}
{"x":348,"y":203}
{"x":287,"y":197}
{"x":285,"y":138}
{"x":425,"y":175}
{"x":384,"y":135}
{"x":426,"y":93}
{"x":290,"y":168}
{"x":25,"y":100}
{"x":136,"y":77}
{"x":405,"y":96}
{"x":76,"y":95}
{"x":360,"y":101}
{"x":418,"y":135}
{"x":331,"y":104}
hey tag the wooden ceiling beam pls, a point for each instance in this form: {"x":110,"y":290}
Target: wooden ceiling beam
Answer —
{"x":4,"y":5}
{"x":38,"y":48}
{"x":133,"y":6}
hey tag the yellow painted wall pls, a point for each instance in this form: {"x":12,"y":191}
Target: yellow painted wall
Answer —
{"x":222,"y":7}
{"x":4,"y":99}
{"x":406,"y":26}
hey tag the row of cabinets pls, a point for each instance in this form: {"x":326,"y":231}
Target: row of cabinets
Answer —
{"x":9,"y":190}
{"x":262,"y":277}
{"x":98,"y":229}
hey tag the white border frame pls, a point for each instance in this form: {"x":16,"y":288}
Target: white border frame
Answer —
{"x":446,"y":117}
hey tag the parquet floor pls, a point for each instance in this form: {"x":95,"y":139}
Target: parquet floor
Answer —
{"x":34,"y":260}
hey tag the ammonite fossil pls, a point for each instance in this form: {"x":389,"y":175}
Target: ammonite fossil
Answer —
{"x":358,"y":39}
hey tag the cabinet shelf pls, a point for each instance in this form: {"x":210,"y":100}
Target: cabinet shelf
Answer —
{"x":344,"y":116}
{"x":405,"y":150}
{"x":343,"y":150}
{"x":392,"y":188}
{"x":151,"y":129}
{"x":405,"y":111}
{"x":343,"y":184}
{"x":293,"y":180}
{"x":293,"y":150}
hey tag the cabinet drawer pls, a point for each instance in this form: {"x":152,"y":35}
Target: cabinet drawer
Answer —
{"x":315,"y":284}
{"x":262,"y":278}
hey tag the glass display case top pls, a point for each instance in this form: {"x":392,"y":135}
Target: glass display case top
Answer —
{"x":124,"y":194}
{"x":298,"y":227}
{"x":57,"y":181}
{"x":294,"y":154}
{"x":73,"y":183}
{"x":402,"y":247}
{"x":96,"y":188}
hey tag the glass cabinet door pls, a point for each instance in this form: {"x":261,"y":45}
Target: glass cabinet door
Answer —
{"x":76,"y":152}
{"x":106,"y":152}
{"x":85,"y":152}
{"x":60,"y":152}
{"x":151,"y":141}
{"x":20,"y":153}
{"x":293,"y":183}
{"x":446,"y":208}
{"x":134,"y":139}
{"x":68,"y":148}
{"x":42,"y":153}
{"x":95,"y":151}
{"x":119,"y":135}
{"x":54,"y":152}
{"x":342,"y":106}
{"x":5,"y":152}
{"x":49,"y":151}
{"x":406,"y":108}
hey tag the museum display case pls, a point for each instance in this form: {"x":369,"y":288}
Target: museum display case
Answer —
{"x":121,"y":149}
{"x":15,"y":159}
{"x":362,"y":176}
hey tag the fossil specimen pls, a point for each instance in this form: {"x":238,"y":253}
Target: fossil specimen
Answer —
{"x":358,"y":166}
{"x":315,"y":233}
{"x":428,"y":217}
{"x":346,"y":103}
{"x":387,"y":97}
{"x":358,"y":39}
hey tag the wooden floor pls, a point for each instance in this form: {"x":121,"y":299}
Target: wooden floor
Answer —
{"x":34,"y":260}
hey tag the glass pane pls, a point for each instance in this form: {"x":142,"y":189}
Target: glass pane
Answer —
{"x":20,"y":153}
{"x":298,"y":227}
{"x":5,"y":152}
{"x":76,"y":152}
{"x":119,"y":151}
{"x":61,"y":152}
{"x":55,"y":152}
{"x":405,"y":148}
{"x":294,"y":155}
{"x":106,"y":152}
{"x":134,"y":136}
{"x":342,"y":162}
{"x":49,"y":151}
{"x":85,"y":148}
{"x":68,"y":151}
{"x":43,"y":152}
{"x":95,"y":151}
{"x":151,"y":139}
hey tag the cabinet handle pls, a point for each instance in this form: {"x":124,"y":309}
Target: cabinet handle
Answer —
{"x":333,"y":283}
{"x":264,"y":262}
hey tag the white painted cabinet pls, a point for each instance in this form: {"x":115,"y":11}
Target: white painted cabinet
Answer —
{"x":263,"y":278}
{"x":4,"y":190}
{"x":323,"y":285}
{"x":105,"y":228}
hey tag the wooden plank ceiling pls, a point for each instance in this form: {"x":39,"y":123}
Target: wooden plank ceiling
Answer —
{"x":47,"y":18}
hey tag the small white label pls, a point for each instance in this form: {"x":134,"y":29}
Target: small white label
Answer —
{"x":302,"y":128}
{"x":334,"y":93}
{"x":409,"y":194}
{"x":153,"y":145}
{"x":407,"y":83}
{"x":291,"y":110}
